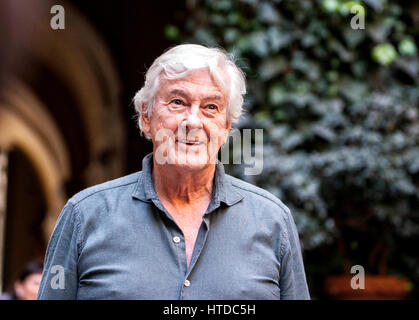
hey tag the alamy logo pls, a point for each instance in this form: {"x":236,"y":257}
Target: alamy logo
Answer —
{"x":58,"y":280}
{"x":358,"y":280}
{"x":168,"y":153}
{"x":58,"y":20}
{"x":358,"y":20}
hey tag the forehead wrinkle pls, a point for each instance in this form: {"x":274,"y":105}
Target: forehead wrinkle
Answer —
{"x":182,"y":89}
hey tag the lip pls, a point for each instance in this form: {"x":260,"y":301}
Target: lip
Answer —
{"x":190,"y":143}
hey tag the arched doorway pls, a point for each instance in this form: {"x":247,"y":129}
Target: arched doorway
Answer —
{"x":60,"y":128}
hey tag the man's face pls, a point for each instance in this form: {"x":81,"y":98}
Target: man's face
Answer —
{"x":189,"y":120}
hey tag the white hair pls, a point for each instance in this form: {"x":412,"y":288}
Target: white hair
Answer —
{"x":180,"y":60}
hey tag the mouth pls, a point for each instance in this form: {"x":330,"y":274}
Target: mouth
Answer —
{"x":190,"y":143}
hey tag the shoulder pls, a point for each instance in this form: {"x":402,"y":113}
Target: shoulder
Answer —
{"x":110,"y":188}
{"x":260,"y":205}
{"x":258,"y":196}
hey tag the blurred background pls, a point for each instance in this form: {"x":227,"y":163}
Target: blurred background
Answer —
{"x":338,"y":102}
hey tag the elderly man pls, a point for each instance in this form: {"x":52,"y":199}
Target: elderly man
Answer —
{"x":181,"y":228}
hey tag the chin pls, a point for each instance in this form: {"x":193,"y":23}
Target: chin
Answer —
{"x":191,"y":167}
{"x":192,"y":161}
{"x":188,"y":158}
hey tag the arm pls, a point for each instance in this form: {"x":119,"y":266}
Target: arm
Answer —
{"x":59,"y":278}
{"x":293,"y":283}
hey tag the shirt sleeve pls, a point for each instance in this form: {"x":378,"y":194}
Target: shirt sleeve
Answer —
{"x":60,"y":278}
{"x":293,"y":283}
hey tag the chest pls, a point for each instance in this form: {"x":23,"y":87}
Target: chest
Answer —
{"x":190,"y":226}
{"x":189,"y":220}
{"x":133,"y":256}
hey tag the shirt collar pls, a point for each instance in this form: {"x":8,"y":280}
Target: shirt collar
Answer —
{"x":223,"y":190}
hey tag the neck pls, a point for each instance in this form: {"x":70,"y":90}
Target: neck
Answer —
{"x":182,"y":186}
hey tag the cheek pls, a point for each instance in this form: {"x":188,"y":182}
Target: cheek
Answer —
{"x":217,"y":131}
{"x":160,"y":121}
{"x":222,"y":124}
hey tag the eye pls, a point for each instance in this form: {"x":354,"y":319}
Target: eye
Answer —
{"x":212,"y":107}
{"x":177,"y":102}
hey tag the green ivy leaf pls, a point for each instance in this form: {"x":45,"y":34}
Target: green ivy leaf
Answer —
{"x":408,"y":47}
{"x":330,"y":5}
{"x":384,"y":53}
{"x":171,"y":32}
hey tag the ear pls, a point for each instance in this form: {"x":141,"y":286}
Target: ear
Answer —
{"x":145,"y":120}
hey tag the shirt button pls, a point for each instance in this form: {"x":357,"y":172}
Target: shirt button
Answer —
{"x":176,"y":239}
{"x":187,"y":283}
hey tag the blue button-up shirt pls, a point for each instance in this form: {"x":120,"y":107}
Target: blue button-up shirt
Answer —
{"x":117,"y":241}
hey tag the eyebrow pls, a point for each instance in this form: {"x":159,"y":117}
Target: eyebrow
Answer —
{"x":215,"y":97}
{"x":178,"y":92}
{"x":185,"y":95}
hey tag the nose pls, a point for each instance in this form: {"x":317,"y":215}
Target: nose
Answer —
{"x":193,"y":120}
